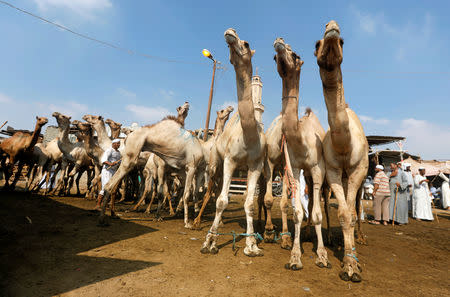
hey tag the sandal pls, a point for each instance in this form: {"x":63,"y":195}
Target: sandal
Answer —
{"x":374,"y":222}
{"x":385,"y":223}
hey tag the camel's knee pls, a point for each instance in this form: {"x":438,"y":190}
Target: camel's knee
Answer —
{"x":346,"y":218}
{"x":298,"y":215}
{"x":268,"y":200}
{"x":249,"y":207}
{"x":316,"y":216}
{"x":222,"y":202}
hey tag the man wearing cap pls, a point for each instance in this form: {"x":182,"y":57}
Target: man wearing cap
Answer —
{"x":110,"y":160}
{"x":422,"y":197}
{"x":381,"y":196}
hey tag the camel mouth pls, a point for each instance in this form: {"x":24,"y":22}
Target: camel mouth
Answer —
{"x":230,"y":36}
{"x":86,"y":117}
{"x":332,"y":33}
{"x":279,"y":46}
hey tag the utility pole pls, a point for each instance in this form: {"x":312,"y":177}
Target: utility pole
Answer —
{"x":208,"y":54}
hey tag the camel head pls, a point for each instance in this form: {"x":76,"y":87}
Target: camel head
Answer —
{"x":126,"y":130}
{"x":329,"y":49}
{"x":92,"y":119}
{"x":183,"y":110}
{"x":288,"y":62}
{"x":240,"y":52}
{"x":62,"y":120}
{"x":225,"y":113}
{"x":41,"y":121}
{"x":113,"y":125}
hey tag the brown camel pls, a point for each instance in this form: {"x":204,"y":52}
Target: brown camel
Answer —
{"x":304,"y":145}
{"x":345,"y":145}
{"x":115,"y":128}
{"x":19,"y":147}
{"x":242,"y":145}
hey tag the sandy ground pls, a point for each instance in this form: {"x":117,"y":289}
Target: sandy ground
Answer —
{"x":52,"y":246}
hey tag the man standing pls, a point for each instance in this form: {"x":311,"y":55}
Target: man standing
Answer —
{"x":422,"y":197}
{"x":410,"y":186}
{"x":398,"y":185}
{"x":110,"y":160}
{"x":445,"y":191}
{"x":381,"y":195}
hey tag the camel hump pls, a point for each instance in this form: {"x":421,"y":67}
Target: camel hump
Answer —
{"x":308,"y":111}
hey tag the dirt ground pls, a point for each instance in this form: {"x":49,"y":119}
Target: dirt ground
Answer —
{"x":52,"y":246}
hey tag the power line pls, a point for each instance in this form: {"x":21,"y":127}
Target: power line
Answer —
{"x":128,"y":51}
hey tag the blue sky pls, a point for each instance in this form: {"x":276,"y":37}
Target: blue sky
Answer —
{"x":396,"y":67}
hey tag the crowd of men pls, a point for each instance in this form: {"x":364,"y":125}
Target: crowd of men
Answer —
{"x":399,"y":194}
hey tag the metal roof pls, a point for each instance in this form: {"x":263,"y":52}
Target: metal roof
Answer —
{"x":380,"y":140}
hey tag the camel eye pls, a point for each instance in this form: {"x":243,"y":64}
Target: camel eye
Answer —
{"x":341,"y":41}
{"x":275,"y":58}
{"x":317,"y":44}
{"x":246,"y":44}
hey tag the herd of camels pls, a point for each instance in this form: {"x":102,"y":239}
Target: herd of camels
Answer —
{"x":336,"y":160}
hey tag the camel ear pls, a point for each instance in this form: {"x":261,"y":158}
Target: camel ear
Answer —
{"x":100,"y":118}
{"x":178,"y":108}
{"x":37,"y":117}
{"x":253,"y":52}
{"x":301,"y":62}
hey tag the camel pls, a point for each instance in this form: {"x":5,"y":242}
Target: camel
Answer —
{"x":345,"y":145}
{"x":168,"y":140}
{"x":19,"y":147}
{"x":115,"y":128}
{"x":99,"y":125}
{"x":75,"y":158}
{"x":241,"y":145}
{"x":222,"y":118}
{"x":304,"y":145}
{"x":156,"y":168}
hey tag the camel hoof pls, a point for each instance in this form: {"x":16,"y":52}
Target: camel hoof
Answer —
{"x":356,"y":278}
{"x":344,"y":276}
{"x":269,"y":236}
{"x":188,"y":226}
{"x":214,"y":250}
{"x":204,"y":250}
{"x":293,"y":267}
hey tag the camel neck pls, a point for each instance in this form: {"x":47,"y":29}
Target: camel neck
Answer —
{"x":245,"y":105}
{"x":101,"y":133}
{"x":35,"y":136}
{"x":333,"y":91}
{"x":290,"y":107}
{"x":218,"y":127}
{"x":115,"y":133}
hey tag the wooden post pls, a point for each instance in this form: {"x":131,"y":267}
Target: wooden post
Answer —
{"x":3,"y":124}
{"x":205,"y":133}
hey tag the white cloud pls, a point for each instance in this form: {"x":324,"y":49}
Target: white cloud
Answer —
{"x":147,"y":114}
{"x":5,"y":99}
{"x":429,"y":140}
{"x":126,"y":93}
{"x":367,"y":119}
{"x":84,"y":8}
{"x":167,"y":94}
{"x":406,"y":40}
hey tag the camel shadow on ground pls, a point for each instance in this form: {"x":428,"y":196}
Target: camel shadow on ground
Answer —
{"x":42,"y":240}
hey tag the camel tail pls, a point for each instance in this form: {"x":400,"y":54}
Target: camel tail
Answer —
{"x":308,"y":111}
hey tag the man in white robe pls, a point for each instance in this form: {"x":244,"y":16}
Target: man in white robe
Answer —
{"x":422,"y":197}
{"x":110,"y":160}
{"x":445,"y":191}
{"x":410,"y":186}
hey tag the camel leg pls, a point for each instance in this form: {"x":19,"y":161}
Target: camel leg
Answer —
{"x":159,"y":190}
{"x":77,"y":180}
{"x":148,"y":186}
{"x":206,"y":198}
{"x":169,"y":197}
{"x":295,"y":262}
{"x":17,"y":175}
{"x":286,"y":239}
{"x":269,"y":232}
{"x":210,"y":244}
{"x":253,"y":175}
{"x":316,"y":216}
{"x":198,"y":183}
{"x":327,"y":197}
{"x":125,"y":166}
{"x":187,"y":191}
{"x":347,"y":218}
{"x":360,"y":237}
